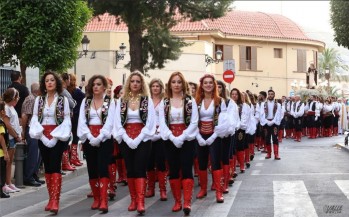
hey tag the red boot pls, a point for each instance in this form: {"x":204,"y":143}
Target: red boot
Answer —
{"x":241,"y":160}
{"x":217,"y":176}
{"x":56,"y":184}
{"x":74,"y":158}
{"x":226,"y":177}
{"x":121,"y":171}
{"x":103,"y":194}
{"x":65,"y":162}
{"x":162,"y":177}
{"x":276,"y":152}
{"x":112,"y":179}
{"x":268,"y":152}
{"x":196,"y":167}
{"x":247,"y":157}
{"x":188,"y":185}
{"x":151,"y":184}
{"x":133,"y":194}
{"x":177,"y":194}
{"x":140,"y":190}
{"x":94,"y":184}
{"x":251,"y":147}
{"x":203,"y":184}
{"x":48,"y":184}
{"x":280,"y":135}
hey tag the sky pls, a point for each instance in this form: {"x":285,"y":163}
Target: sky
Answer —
{"x":309,"y":14}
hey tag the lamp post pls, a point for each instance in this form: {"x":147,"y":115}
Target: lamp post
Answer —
{"x":327,"y":76}
{"x":85,"y":42}
{"x":120,"y":54}
{"x":210,"y":60}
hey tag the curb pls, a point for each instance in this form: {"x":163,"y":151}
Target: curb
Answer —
{"x":341,"y":146}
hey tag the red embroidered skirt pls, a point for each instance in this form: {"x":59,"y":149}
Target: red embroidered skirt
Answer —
{"x":48,"y":129}
{"x":95,"y":129}
{"x":133,"y":129}
{"x":177,"y":129}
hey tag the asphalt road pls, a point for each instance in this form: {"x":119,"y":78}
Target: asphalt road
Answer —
{"x":311,"y":179}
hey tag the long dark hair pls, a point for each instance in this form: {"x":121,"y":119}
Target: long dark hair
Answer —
{"x":59,"y":87}
{"x":239,"y":100}
{"x":224,"y":89}
{"x":89,"y":88}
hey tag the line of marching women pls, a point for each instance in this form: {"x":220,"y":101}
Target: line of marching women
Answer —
{"x":158,"y":133}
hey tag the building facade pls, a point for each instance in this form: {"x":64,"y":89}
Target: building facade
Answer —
{"x":264,"y":50}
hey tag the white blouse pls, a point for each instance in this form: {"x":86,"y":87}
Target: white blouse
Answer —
{"x":245,"y":117}
{"x":95,"y":116}
{"x":84,"y":132}
{"x":61,"y":132}
{"x":221,"y":130}
{"x":148,"y":130}
{"x":133,"y":116}
{"x":189,"y":133}
{"x":252,"y":123}
{"x":233,"y":117}
{"x":176,"y":115}
{"x":11,"y":113}
{"x":206,"y":115}
{"x":157,"y":135}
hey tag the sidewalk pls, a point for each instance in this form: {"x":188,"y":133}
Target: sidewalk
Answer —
{"x":81,"y":170}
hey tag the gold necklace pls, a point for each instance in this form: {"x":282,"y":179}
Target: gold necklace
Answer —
{"x":134,"y":100}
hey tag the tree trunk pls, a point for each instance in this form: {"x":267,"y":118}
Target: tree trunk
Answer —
{"x":135,"y":41}
{"x":23,"y":73}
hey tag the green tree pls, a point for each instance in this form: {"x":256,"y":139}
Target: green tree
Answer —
{"x":331,"y":58}
{"x":149,"y":23}
{"x":340,"y":21}
{"x":43,"y":34}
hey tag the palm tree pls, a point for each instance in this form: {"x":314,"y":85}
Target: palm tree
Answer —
{"x":332,"y":60}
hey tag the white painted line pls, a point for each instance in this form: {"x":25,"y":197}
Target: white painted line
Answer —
{"x":255,"y":172}
{"x":208,"y":207}
{"x":291,"y":198}
{"x":261,"y":158}
{"x":259,"y":164}
{"x":229,"y":76}
{"x":299,"y":174}
{"x":67,"y":199}
{"x":344,"y":186}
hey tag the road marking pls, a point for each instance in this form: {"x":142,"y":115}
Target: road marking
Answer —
{"x":261,"y":158}
{"x":291,"y":198}
{"x":344,"y":186}
{"x":208,"y":207}
{"x":298,"y":174}
{"x":67,"y":199}
{"x":255,"y":172}
{"x":259,"y":164}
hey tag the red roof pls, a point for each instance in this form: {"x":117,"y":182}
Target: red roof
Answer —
{"x":240,"y":23}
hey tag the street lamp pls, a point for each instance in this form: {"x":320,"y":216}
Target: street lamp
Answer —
{"x":210,"y":60}
{"x":120,"y":54}
{"x":85,"y":42}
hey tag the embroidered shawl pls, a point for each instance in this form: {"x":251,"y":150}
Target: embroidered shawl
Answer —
{"x":105,"y":109}
{"x":143,"y":110}
{"x":187,"y":110}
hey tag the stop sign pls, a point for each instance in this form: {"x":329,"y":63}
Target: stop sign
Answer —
{"x":228,"y":76}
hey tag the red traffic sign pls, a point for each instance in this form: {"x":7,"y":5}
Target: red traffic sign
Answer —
{"x":228,"y":76}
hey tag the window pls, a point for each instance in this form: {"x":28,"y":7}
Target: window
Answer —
{"x":301,"y":60}
{"x":248,"y":58}
{"x":277,"y":53}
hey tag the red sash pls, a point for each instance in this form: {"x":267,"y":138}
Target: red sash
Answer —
{"x":177,"y":129}
{"x":206,"y":127}
{"x":95,"y":129}
{"x":48,"y":129}
{"x":133,"y":129}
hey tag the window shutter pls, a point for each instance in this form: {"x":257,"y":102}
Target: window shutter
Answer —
{"x":228,"y":52}
{"x":299,"y":60}
{"x":304,"y":59}
{"x":254,"y":58}
{"x":242,"y":57}
{"x":315,"y":58}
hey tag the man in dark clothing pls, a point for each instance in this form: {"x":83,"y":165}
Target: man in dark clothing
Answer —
{"x":23,"y":91}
